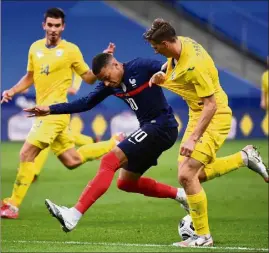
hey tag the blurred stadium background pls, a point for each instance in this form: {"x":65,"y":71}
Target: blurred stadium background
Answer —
{"x":236,"y":36}
{"x":234,"y":33}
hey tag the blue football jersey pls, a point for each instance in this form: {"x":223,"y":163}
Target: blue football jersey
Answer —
{"x":148,"y":103}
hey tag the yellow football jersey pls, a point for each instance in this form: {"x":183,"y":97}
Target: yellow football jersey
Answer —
{"x":195,"y":76}
{"x":53,"y":70}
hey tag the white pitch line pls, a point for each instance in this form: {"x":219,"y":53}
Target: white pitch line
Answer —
{"x":132,"y":245}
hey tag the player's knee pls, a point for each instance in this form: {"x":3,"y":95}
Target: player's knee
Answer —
{"x":122,"y":185}
{"x":126,"y":185}
{"x":184,"y":178}
{"x":72,"y":163}
{"x":27,"y":155}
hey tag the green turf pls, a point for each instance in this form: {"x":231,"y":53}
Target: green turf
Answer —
{"x":238,"y":210}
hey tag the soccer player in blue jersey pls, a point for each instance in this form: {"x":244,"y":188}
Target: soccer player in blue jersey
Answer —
{"x":138,"y":152}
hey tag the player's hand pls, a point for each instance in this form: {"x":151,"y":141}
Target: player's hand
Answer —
{"x":157,"y":78}
{"x":7,"y":96}
{"x":187,"y":148}
{"x":38,"y":111}
{"x":72,"y":91}
{"x":110,"y":49}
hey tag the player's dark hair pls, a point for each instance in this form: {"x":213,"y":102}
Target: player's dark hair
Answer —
{"x":100,"y":61}
{"x":160,"y":30}
{"x":54,"y":13}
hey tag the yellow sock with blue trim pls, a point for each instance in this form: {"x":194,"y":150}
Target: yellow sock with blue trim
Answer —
{"x":223,"y":165}
{"x":198,"y":212}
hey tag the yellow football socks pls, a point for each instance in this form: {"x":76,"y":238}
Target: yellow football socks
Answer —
{"x":40,"y":160}
{"x":223,"y":165}
{"x":93,"y":151}
{"x":81,"y":139}
{"x":22,"y":183}
{"x":198,"y":211}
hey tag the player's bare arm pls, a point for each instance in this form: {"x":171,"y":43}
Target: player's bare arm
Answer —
{"x":25,"y":82}
{"x":209,"y":109}
{"x":89,"y":77}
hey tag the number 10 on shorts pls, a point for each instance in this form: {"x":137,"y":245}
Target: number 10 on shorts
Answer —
{"x":137,"y":136}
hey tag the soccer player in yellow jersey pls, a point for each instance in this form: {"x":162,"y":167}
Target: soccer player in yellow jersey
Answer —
{"x":50,"y":64}
{"x":75,"y":128}
{"x":191,"y":73}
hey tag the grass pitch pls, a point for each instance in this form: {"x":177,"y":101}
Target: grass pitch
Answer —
{"x":125,"y":222}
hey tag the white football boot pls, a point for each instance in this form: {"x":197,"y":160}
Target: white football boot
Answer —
{"x":63,"y":214}
{"x":255,"y":163}
{"x":196,"y":241}
{"x":182,"y":199}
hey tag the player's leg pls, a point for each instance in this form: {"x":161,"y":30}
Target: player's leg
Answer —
{"x":24,"y":178}
{"x":40,"y":161}
{"x":110,"y":163}
{"x":69,"y":217}
{"x":135,"y":183}
{"x":81,"y":139}
{"x":188,"y":176}
{"x":189,"y":169}
{"x":42,"y":133}
{"x":247,"y":157}
{"x":63,"y":147}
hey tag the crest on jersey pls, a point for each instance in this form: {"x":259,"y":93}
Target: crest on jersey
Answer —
{"x":123,"y":86}
{"x":39,"y":54}
{"x":59,"y":52}
{"x":132,"y":82}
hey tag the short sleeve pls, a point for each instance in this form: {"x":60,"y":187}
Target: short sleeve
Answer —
{"x":30,"y":65}
{"x":78,"y":63}
{"x":77,"y":80}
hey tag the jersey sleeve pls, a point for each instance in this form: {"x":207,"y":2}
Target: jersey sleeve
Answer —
{"x":77,"y":80}
{"x":203,"y":82}
{"x":83,"y":104}
{"x":265,"y":82}
{"x":30,"y":64}
{"x":78,"y":63}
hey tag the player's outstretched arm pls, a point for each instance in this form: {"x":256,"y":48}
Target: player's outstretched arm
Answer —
{"x":80,"y":105}
{"x":25,"y":82}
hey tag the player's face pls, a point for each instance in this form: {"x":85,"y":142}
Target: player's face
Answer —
{"x":161,"y":48}
{"x":112,"y":74}
{"x":54,"y":28}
